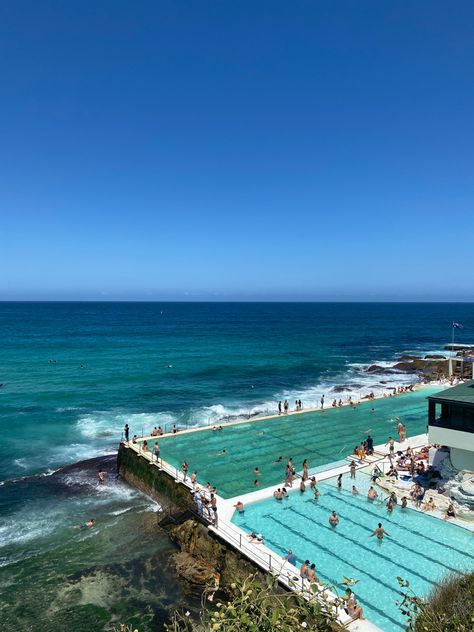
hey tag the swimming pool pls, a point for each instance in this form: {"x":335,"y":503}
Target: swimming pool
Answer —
{"x":421,"y":548}
{"x":321,"y":438}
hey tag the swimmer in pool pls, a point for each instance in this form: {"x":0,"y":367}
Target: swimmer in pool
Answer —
{"x":379,"y":532}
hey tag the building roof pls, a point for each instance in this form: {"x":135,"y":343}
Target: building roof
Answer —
{"x":461,"y":394}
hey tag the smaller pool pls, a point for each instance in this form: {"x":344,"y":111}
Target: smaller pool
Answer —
{"x":421,"y":548}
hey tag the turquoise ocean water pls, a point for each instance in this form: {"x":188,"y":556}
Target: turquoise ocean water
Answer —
{"x":72,"y":374}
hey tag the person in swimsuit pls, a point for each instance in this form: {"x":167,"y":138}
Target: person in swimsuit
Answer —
{"x":291,"y":557}
{"x":312,"y":574}
{"x":101,"y":477}
{"x":372,"y":494}
{"x":239,"y":505}
{"x":354,"y":610}
{"x":379,"y":532}
{"x":304,"y":570}
{"x":334,"y":519}
{"x":450,"y":513}
{"x":391,"y":446}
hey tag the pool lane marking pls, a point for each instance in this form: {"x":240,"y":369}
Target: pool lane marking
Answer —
{"x":404,"y":547}
{"x":331,"y":553}
{"x":320,"y":450}
{"x":333,"y":582}
{"x":347,"y":496}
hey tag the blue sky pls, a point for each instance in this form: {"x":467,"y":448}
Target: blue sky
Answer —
{"x":309,"y":150}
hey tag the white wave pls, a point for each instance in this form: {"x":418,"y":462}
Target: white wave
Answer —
{"x":108,"y":424}
{"x":21,"y":463}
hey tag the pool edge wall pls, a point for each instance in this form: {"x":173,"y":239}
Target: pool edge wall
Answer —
{"x":150,"y":480}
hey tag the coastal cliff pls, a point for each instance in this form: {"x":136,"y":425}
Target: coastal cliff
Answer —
{"x":203,"y":558}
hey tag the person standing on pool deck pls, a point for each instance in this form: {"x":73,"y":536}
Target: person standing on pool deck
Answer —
{"x":305,"y":470}
{"x":352,"y":468}
{"x":379,"y":532}
{"x":279,"y":408}
{"x":322,"y":402}
{"x":286,"y":406}
{"x":370,"y":445}
{"x":391,"y":447}
{"x":126,"y":431}
{"x":156,"y":451}
{"x":184,"y":467}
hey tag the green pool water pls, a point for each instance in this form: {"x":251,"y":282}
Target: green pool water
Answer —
{"x":321,"y":437}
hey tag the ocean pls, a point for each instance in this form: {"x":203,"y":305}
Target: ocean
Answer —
{"x":73,"y":374}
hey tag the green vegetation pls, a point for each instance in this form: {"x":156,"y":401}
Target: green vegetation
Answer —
{"x":448,"y":608}
{"x":257,"y":607}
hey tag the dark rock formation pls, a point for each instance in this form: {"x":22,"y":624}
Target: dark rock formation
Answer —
{"x":375,"y":368}
{"x":204,"y":557}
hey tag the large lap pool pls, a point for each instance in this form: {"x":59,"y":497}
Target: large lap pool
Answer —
{"x":421,"y":549}
{"x":321,"y":438}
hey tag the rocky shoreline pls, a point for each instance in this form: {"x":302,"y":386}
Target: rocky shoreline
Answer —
{"x":429,"y":367}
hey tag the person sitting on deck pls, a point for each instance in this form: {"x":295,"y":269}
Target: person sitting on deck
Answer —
{"x":429,"y":505}
{"x":450,"y":512}
{"x":312,"y":578}
{"x":154,"y":432}
{"x":255,"y":538}
{"x":353,"y":609}
{"x":392,"y":472}
{"x":304,"y":569}
{"x":291,"y":557}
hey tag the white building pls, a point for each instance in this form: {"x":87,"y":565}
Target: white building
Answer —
{"x":451,"y":423}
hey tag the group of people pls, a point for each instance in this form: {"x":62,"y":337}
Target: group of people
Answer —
{"x":205,"y":502}
{"x":364,"y":449}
